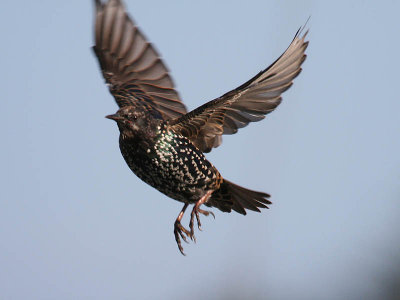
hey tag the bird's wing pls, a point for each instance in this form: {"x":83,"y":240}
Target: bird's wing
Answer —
{"x":130,"y":65}
{"x":250,"y":102}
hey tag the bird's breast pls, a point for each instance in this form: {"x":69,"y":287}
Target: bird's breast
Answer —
{"x":171,"y":164}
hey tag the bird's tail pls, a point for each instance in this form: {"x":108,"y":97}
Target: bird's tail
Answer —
{"x":231,"y":196}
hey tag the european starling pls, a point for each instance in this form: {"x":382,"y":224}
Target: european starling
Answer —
{"x":160,"y":141}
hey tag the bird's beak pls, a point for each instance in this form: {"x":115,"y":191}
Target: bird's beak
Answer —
{"x":115,"y":117}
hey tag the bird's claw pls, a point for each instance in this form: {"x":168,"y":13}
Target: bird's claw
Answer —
{"x":191,"y":226}
{"x":179,"y":232}
{"x":206,"y":212}
{"x":198,"y":219}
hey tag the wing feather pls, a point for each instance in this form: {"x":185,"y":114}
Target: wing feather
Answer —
{"x":250,"y":102}
{"x":130,"y":65}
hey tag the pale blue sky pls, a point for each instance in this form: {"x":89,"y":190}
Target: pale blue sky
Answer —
{"x":75,"y":223}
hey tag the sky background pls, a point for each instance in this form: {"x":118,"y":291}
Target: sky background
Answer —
{"x":75,"y":223}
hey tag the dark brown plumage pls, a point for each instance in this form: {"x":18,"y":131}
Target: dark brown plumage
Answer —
{"x":162,"y":143}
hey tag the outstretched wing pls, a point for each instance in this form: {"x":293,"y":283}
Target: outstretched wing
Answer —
{"x":249,"y":102}
{"x":130,"y":65}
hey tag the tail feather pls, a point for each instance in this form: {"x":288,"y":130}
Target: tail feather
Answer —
{"x":233,"y":197}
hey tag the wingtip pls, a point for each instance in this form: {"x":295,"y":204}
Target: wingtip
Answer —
{"x":301,"y":29}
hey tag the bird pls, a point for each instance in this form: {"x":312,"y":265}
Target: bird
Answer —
{"x":163,"y":143}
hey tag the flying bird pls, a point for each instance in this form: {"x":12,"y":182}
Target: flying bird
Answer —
{"x":163,"y":143}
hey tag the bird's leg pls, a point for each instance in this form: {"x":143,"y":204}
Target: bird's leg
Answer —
{"x":179,"y":230}
{"x":195,"y":212}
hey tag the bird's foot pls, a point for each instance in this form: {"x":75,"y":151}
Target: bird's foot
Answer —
{"x":195,"y":213}
{"x":179,"y":232}
{"x":206,"y":212}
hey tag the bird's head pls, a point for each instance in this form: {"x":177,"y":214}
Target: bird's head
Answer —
{"x":134,"y":121}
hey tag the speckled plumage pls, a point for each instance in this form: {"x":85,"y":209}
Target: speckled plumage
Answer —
{"x":170,"y":163}
{"x":161,"y":142}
